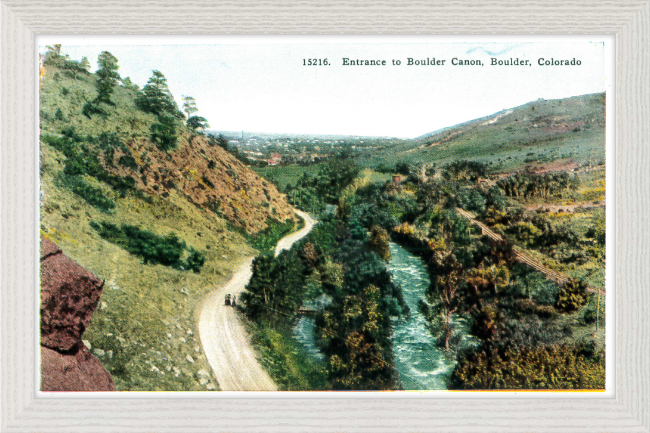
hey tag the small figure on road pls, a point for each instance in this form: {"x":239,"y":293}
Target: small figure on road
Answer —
{"x":234,"y":301}
{"x":228,"y":299}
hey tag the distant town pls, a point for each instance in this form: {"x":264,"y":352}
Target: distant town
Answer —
{"x":285,"y":149}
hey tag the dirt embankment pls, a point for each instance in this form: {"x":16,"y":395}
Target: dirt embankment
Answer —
{"x":209,"y":177}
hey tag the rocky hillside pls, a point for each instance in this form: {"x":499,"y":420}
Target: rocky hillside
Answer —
{"x":157,"y":211}
{"x":197,"y":167}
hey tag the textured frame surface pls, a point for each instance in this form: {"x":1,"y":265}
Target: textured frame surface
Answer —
{"x":21,"y":20}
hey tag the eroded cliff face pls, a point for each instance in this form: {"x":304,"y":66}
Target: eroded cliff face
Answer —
{"x":69,"y":296}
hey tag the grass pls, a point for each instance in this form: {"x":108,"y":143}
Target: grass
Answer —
{"x":285,"y":360}
{"x":145,"y":323}
{"x":524,"y":137}
{"x":128,"y":123}
{"x":281,"y":175}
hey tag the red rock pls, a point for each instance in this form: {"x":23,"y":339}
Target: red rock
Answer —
{"x":78,"y":370}
{"x":69,"y":296}
{"x":48,"y":248}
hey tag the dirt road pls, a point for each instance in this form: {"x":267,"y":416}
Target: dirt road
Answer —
{"x":223,"y":336}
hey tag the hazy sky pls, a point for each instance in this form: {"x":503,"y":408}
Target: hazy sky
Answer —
{"x":260,"y":84}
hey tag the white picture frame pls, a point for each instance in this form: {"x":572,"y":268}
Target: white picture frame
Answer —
{"x":21,"y":411}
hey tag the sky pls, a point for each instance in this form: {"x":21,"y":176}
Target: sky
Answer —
{"x":260,"y":84}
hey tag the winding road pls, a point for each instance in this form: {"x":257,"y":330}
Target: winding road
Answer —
{"x":224,"y":339}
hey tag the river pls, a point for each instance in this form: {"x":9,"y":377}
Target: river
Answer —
{"x":420,"y":363}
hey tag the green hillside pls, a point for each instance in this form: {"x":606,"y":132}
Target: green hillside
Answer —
{"x":161,"y":215}
{"x":563,"y":131}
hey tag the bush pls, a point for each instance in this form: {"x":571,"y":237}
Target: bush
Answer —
{"x":572,"y":296}
{"x":267,"y":239}
{"x":163,"y":133}
{"x":550,"y":367}
{"x":153,"y":249}
{"x":93,"y":196}
{"x":128,"y":161}
{"x":91,"y":107}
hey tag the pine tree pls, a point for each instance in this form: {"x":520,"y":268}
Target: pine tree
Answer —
{"x":156,"y":97}
{"x":84,"y":64}
{"x":189,"y":106}
{"x":108,"y":77}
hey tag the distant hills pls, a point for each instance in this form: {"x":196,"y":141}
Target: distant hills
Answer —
{"x":539,"y":132}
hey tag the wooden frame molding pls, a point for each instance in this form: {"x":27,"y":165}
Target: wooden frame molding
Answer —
{"x":22,"y":20}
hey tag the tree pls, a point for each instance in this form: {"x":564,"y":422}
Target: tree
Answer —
{"x":189,"y":106}
{"x":197,"y":122}
{"x":379,"y":242}
{"x":447,"y":286}
{"x":108,"y":77}
{"x":157,"y":99}
{"x":85,"y":64}
{"x":126,"y":82}
{"x":163,"y":133}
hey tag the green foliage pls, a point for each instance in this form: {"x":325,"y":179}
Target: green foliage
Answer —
{"x":151,"y":248}
{"x":93,"y":196}
{"x":464,"y":171}
{"x":81,"y":159}
{"x":528,"y":184}
{"x":550,"y":367}
{"x":379,"y":242}
{"x":189,"y":106}
{"x":355,"y":336}
{"x":285,"y":360}
{"x":157,"y":99}
{"x":90,"y":108}
{"x":275,"y":290}
{"x":164,"y":133}
{"x":399,"y":168}
{"x":69,"y":67}
{"x":534,"y":286}
{"x":197,"y":122}
{"x":525,"y":232}
{"x":312,"y":193}
{"x":128,"y":161}
{"x":107,"y":77}
{"x":265,"y":240}
{"x":471,"y":200}
{"x":572,"y":296}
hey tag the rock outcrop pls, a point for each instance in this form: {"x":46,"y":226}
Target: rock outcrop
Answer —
{"x":69,"y":296}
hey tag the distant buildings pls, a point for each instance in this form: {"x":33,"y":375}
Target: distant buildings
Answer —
{"x":275,"y":159}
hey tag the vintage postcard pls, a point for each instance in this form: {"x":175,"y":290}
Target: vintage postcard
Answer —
{"x":323,"y":214}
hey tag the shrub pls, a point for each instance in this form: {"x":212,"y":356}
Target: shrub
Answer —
{"x":93,"y":196}
{"x":163,"y":133}
{"x":153,"y":249}
{"x":128,"y":161}
{"x":90,"y":108}
{"x":550,"y":367}
{"x":379,"y":242}
{"x":572,"y":296}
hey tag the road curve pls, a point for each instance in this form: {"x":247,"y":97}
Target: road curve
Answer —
{"x":224,"y":339}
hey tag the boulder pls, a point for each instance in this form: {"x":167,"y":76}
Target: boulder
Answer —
{"x":69,"y":296}
{"x":77,"y":370}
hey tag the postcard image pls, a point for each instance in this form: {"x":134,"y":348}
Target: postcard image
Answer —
{"x":322,"y":214}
